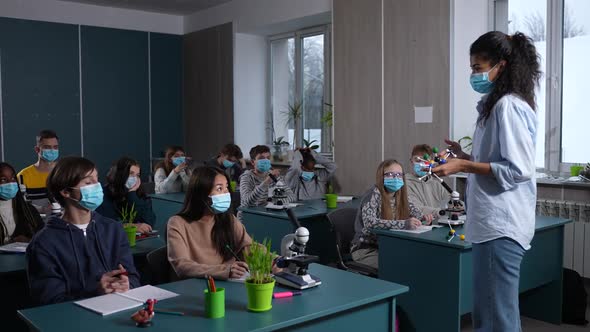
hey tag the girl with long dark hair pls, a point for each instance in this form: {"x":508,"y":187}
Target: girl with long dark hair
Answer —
{"x":203,"y":235}
{"x":172,"y":174}
{"x":123,"y":192}
{"x":501,"y":188}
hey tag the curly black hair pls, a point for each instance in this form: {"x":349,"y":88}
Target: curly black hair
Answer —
{"x":522,"y":70}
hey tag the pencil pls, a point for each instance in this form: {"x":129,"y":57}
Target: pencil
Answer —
{"x":166,"y":312}
{"x":234,"y":254}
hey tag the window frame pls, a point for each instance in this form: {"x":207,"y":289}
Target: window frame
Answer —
{"x":298,"y":36}
{"x":553,"y":79}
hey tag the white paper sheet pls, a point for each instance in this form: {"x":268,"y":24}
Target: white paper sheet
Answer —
{"x":420,"y":229}
{"x":15,"y":247}
{"x":423,"y":114}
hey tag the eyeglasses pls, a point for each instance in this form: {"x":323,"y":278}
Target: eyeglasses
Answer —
{"x":393,"y":175}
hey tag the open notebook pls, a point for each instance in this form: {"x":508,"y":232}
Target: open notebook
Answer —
{"x":15,"y":247}
{"x":115,"y":302}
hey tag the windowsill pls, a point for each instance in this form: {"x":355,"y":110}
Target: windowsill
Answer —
{"x":553,"y":181}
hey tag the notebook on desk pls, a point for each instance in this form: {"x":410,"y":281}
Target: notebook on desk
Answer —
{"x":14,"y":248}
{"x":115,"y":302}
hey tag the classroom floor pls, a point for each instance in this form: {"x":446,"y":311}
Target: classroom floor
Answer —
{"x":533,"y":325}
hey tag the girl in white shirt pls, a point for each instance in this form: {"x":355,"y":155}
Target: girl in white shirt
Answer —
{"x":172,"y":174}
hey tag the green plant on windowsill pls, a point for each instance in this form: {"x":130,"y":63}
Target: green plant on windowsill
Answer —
{"x":310,"y":145}
{"x":279,"y":145}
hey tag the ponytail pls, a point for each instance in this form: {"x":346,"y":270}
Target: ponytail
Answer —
{"x":522,"y":70}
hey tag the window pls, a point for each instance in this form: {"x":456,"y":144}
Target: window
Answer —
{"x":300,"y":96}
{"x":561,"y":31}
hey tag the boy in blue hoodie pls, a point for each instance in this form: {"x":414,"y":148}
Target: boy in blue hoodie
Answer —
{"x":80,"y":254}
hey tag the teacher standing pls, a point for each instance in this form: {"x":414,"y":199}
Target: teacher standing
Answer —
{"x":501,"y":189}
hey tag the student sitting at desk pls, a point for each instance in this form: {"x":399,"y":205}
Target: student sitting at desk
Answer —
{"x":386,"y":206}
{"x":256,"y":184}
{"x":199,"y":234}
{"x":172,"y":174}
{"x":304,"y":179}
{"x":123,"y":191}
{"x":231,"y":160}
{"x":82,"y":254}
{"x":429,"y":196}
{"x":34,"y":177}
{"x":19,"y":220}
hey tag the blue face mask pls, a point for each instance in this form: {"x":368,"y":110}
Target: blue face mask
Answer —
{"x":480,"y":82}
{"x":131,"y":182}
{"x":220,"y":203}
{"x":8,"y":190}
{"x":91,"y":196}
{"x":393,"y":184}
{"x":307,"y":176}
{"x":228,"y":164}
{"x":178,"y":160}
{"x":49,"y":155}
{"x":263,"y":165}
{"x":418,"y":169}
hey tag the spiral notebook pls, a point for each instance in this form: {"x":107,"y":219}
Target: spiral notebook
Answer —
{"x":115,"y":302}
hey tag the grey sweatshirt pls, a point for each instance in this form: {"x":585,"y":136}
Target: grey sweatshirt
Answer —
{"x":427,"y":196}
{"x":254,"y":192}
{"x":316,"y":188}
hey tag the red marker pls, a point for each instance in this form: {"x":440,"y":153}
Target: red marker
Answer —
{"x":283,"y":295}
{"x":212,"y":283}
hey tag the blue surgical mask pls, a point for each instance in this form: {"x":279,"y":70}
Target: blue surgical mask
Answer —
{"x":131,"y":182}
{"x":8,"y":190}
{"x":220,"y":203}
{"x":418,"y":169}
{"x":393,"y":184}
{"x":49,"y":155}
{"x":228,"y":164}
{"x":307,"y":176}
{"x":480,"y":82}
{"x":263,"y":165}
{"x":91,"y":196}
{"x":178,"y":160}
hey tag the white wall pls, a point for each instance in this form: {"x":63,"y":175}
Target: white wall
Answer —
{"x":250,"y":15}
{"x":76,"y":13}
{"x":470,"y":20}
{"x":250,"y":92}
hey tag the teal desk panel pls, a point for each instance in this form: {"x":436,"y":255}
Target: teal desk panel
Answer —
{"x":115,"y":90}
{"x":40,"y":86}
{"x":439,"y":274}
{"x":344,"y":302}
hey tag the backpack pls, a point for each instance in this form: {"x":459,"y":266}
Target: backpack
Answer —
{"x":575,"y":298}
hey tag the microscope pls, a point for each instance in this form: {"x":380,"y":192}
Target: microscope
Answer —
{"x":278,"y":194}
{"x":294,"y":261}
{"x":455,"y":208}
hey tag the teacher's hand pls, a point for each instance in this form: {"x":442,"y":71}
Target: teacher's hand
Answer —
{"x":452,"y":166}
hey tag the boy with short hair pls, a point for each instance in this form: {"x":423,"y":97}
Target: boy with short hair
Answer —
{"x":34,"y":177}
{"x":231,"y":160}
{"x":429,"y":196}
{"x":256,"y":184}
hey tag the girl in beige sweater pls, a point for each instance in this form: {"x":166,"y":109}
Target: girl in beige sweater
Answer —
{"x":199,"y":234}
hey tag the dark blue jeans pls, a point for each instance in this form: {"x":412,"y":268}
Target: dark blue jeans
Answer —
{"x":496,"y":273}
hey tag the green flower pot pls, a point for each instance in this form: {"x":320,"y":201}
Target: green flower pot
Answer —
{"x":575,"y":170}
{"x":131,"y":231}
{"x":260,"y":296}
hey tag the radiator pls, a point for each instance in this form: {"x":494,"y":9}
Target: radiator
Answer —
{"x":576,"y":247}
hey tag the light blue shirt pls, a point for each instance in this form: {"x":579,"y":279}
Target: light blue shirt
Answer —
{"x":503,"y":204}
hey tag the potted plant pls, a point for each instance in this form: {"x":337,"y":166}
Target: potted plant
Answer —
{"x":279,"y":148}
{"x":128,"y":216}
{"x":310,"y":144}
{"x":294,"y":115}
{"x":260,"y":284}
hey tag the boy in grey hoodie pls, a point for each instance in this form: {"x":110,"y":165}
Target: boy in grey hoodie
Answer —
{"x":429,"y":196}
{"x":307,"y":181}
